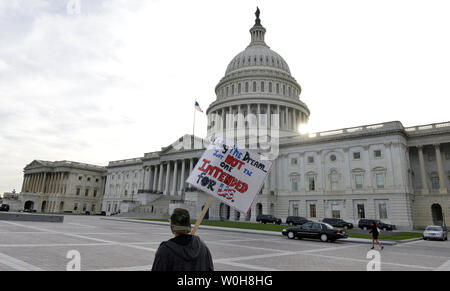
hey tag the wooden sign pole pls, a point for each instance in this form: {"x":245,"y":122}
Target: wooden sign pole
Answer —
{"x":200,"y":218}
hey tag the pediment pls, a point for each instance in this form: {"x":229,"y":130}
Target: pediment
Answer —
{"x":185,"y":143}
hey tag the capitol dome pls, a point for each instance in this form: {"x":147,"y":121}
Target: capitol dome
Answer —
{"x":257,"y":81}
{"x":257,"y":55}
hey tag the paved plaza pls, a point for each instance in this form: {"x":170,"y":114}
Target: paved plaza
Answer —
{"x":115,"y":245}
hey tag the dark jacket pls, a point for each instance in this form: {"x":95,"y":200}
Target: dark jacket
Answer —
{"x":374,"y":231}
{"x":183,"y":253}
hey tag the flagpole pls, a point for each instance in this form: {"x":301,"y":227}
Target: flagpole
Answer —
{"x":193,"y":126}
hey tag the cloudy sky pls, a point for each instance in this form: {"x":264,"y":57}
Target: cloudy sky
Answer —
{"x":112,"y":79}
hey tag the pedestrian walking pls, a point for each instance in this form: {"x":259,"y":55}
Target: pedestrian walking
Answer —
{"x":184,"y":252}
{"x":375,"y":233}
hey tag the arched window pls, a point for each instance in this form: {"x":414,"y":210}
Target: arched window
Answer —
{"x":254,"y":86}
{"x":262,"y":86}
{"x":278,"y":88}
{"x":246,"y":87}
{"x":232,"y":89}
{"x":239,"y":88}
{"x":270,"y":87}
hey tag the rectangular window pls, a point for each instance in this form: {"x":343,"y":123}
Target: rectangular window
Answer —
{"x":335,"y":211}
{"x":293,"y":162}
{"x":312,"y":210}
{"x":361,"y":212}
{"x":377,"y":154}
{"x":78,"y":191}
{"x":95,"y":193}
{"x":75,"y":207}
{"x":380,"y":180}
{"x":431,"y":156}
{"x":310,"y":160}
{"x":294,"y":183}
{"x":358,"y":181}
{"x":435,"y":183}
{"x":109,"y":207}
{"x":334,"y":181}
{"x":356,"y":155}
{"x":382,"y":210}
{"x":312,"y":183}
{"x":86,"y":192}
{"x":93,"y":208}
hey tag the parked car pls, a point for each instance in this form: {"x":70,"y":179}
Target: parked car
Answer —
{"x":29,"y":210}
{"x":367,"y":224}
{"x":315,"y":230}
{"x":296,"y":220}
{"x":4,"y":207}
{"x":102,"y":213}
{"x":337,"y":222}
{"x":266,"y":218}
{"x":435,"y":232}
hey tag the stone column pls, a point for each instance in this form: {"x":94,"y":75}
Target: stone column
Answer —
{"x":175,"y":173}
{"x":23,"y":184}
{"x":191,"y":166}
{"x":266,"y":185}
{"x":294,"y":117}
{"x":155,"y":178}
{"x":161,"y":168}
{"x":31,"y":183}
{"x":166,"y":186}
{"x":279,"y":117}
{"x":41,"y":178}
{"x":183,"y":165}
{"x":441,"y":173}
{"x":422,"y":171}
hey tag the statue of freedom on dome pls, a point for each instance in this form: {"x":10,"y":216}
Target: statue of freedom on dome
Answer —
{"x":257,"y":20}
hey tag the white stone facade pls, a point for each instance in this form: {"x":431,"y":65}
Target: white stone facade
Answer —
{"x":62,"y":187}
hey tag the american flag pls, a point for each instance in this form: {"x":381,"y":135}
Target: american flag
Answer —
{"x":197,"y":106}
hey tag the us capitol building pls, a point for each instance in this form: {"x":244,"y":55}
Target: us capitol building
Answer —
{"x":383,"y":171}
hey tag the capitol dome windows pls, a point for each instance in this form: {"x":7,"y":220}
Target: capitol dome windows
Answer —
{"x":270,"y":87}
{"x":262,"y":86}
{"x":232,"y":89}
{"x":254,"y":86}
{"x":239,"y":88}
{"x":246,"y":87}
{"x":278,"y":88}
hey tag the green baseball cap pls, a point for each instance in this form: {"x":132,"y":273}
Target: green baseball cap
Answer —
{"x":180,"y":220}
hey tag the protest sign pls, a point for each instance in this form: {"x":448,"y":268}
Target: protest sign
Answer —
{"x":232,"y":175}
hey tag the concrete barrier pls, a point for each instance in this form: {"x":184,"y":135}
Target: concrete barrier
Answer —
{"x":18,"y":216}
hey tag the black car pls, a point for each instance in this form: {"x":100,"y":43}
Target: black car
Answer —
{"x":296,"y":220}
{"x":367,"y":224}
{"x":266,"y":218}
{"x":315,"y":230}
{"x":337,"y":222}
{"x":4,"y":207}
